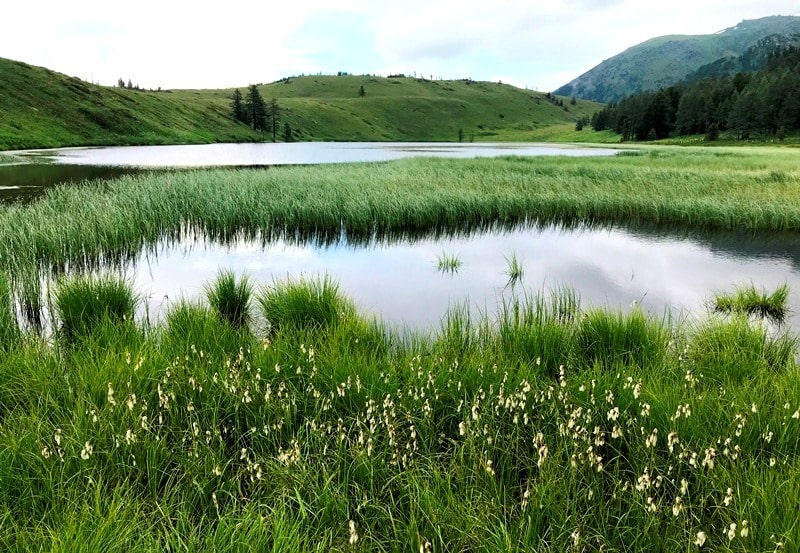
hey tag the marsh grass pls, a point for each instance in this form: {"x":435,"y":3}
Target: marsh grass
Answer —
{"x":84,"y":303}
{"x":9,"y":328}
{"x":304,"y":303}
{"x":514,"y":269}
{"x":748,"y":300}
{"x":231,"y":297}
{"x":545,"y":429}
{"x":449,"y":263}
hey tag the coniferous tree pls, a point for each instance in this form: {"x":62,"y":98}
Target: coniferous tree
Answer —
{"x":273,"y":115}
{"x":238,"y":110}
{"x":256,"y":109}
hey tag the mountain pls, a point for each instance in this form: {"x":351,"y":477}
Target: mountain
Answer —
{"x":664,"y":61}
{"x":40,"y":108}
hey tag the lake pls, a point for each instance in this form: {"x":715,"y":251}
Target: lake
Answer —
{"x":397,"y":279}
{"x":47,"y":168}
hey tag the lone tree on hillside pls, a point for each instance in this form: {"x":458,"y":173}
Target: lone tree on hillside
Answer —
{"x":256,"y":109}
{"x":238,"y":110}
{"x":361,"y":91}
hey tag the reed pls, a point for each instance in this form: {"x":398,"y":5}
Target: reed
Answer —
{"x":9,"y":328}
{"x":695,"y":187}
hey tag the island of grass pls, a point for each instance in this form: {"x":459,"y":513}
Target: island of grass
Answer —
{"x":276,"y":416}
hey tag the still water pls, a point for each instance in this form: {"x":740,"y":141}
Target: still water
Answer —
{"x":399,"y":280}
{"x":47,"y":168}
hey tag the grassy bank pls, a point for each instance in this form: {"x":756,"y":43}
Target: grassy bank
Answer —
{"x":551,"y":430}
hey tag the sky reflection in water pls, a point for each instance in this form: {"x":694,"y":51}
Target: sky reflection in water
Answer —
{"x":400,"y":281}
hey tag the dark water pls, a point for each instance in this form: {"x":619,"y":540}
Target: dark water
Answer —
{"x":26,"y":182}
{"x":399,"y":280}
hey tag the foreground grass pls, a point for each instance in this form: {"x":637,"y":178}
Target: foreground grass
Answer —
{"x":549,"y":430}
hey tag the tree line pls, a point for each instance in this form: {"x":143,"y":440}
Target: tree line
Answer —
{"x":252,"y":110}
{"x":745,"y":105}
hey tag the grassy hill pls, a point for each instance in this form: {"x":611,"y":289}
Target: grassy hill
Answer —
{"x":42,"y":108}
{"x":664,"y":61}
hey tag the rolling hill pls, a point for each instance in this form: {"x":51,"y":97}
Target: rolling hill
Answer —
{"x":664,"y":61}
{"x":40,"y":108}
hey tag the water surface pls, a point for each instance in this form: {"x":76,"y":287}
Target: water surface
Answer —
{"x":399,"y":280}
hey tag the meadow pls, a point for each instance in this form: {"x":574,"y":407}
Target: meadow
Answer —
{"x":275,"y":416}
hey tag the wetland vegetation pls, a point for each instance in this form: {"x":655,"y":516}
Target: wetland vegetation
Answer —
{"x":277,"y":416}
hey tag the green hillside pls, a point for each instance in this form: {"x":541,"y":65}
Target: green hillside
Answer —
{"x":664,"y":61}
{"x":41,"y":108}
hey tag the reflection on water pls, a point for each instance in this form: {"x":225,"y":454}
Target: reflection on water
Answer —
{"x":301,"y":153}
{"x":26,"y":182}
{"x":399,"y":280}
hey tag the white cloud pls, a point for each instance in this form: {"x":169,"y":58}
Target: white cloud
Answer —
{"x":203,"y":44}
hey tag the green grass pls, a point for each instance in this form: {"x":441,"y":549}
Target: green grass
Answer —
{"x":448,"y":263}
{"x":84,"y":304}
{"x":539,"y":433}
{"x":231,"y":298}
{"x":748,"y":300}
{"x":514,"y":269}
{"x":304,"y":304}
{"x":46,"y":109}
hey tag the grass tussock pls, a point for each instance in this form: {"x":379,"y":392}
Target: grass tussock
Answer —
{"x":304,"y":304}
{"x":449,"y":263}
{"x":231,"y":298}
{"x":84,"y":303}
{"x":9,"y":328}
{"x":549,"y":429}
{"x":750,"y":301}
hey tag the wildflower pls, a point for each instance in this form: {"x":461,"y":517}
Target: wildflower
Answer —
{"x":645,"y":410}
{"x":57,"y":436}
{"x":731,"y":531}
{"x":217,"y":471}
{"x":745,"y":529}
{"x":130,"y":437}
{"x":46,"y":452}
{"x":684,"y":486}
{"x":677,"y":507}
{"x":652,"y":439}
{"x":637,"y":390}
{"x":708,"y":460}
{"x":700,"y":540}
{"x":130,"y":402}
{"x":728,"y":497}
{"x":651,"y":505}
{"x":110,"y":395}
{"x":86,"y":452}
{"x":613,"y":414}
{"x":353,"y":534}
{"x":576,"y":538}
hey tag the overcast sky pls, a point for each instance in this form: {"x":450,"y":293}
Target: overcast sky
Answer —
{"x":204,"y":44}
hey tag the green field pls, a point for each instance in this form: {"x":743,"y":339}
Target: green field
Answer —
{"x":274,"y":416}
{"x":40,"y":108}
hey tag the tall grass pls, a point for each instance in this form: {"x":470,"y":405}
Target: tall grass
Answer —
{"x":84,"y":303}
{"x":314,"y":303}
{"x":538,"y":433}
{"x":9,"y":328}
{"x":231,"y":298}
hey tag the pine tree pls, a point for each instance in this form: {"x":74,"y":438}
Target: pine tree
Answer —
{"x":273,"y":117}
{"x":238,"y":110}
{"x":256,"y":109}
